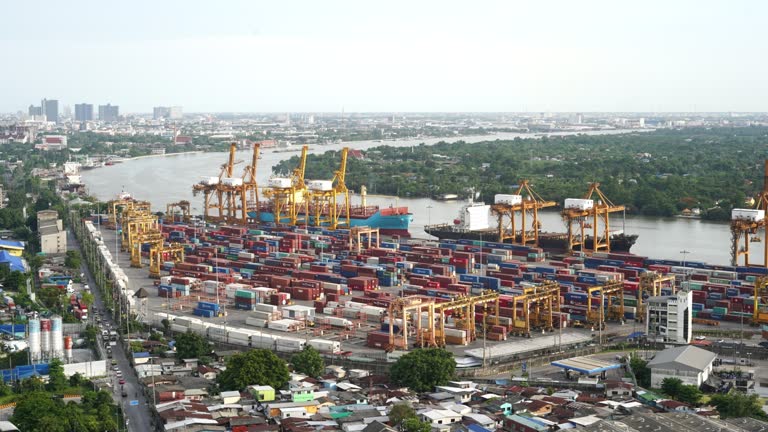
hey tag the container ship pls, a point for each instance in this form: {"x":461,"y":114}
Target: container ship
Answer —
{"x":389,"y":220}
{"x":472,"y":224}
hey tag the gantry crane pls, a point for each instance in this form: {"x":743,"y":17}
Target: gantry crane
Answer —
{"x":116,"y":208}
{"x":151,"y":238}
{"x":249,"y":196}
{"x":611,"y":291}
{"x":543,"y":300}
{"x":221,"y":189}
{"x":323,"y":198}
{"x":181,"y":208}
{"x":525,"y":203}
{"x":401,"y":311}
{"x":289,"y":194}
{"x":159,"y":252}
{"x":134,"y":222}
{"x":467,"y":307}
{"x":746,"y":223}
{"x":760,"y":300}
{"x":651,"y":283}
{"x":595,"y":206}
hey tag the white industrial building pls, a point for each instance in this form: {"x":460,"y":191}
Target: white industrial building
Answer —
{"x":669,"y":318}
{"x":690,"y":364}
{"x":53,"y":237}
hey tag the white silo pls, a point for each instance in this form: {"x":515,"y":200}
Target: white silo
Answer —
{"x":57,"y":337}
{"x":68,"y":348}
{"x":45,"y":338}
{"x":34,"y":339}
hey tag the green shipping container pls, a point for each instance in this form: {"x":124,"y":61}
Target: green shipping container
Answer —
{"x":245,"y":294}
{"x":720,"y":310}
{"x":751,"y":278}
{"x":630,"y":301}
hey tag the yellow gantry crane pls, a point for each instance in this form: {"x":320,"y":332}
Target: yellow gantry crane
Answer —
{"x":538,"y":305}
{"x":289,"y":195}
{"x":323,"y":198}
{"x":180,"y":209}
{"x":746,"y":223}
{"x":151,"y":238}
{"x":218,"y":191}
{"x":160,"y":252}
{"x":611,"y":291}
{"x":136,"y":223}
{"x":525,"y":203}
{"x":249,"y":196}
{"x":467,"y":307}
{"x":596,"y":208}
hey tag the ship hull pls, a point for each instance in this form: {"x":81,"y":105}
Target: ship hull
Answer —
{"x":550,"y":242}
{"x":394,"y":224}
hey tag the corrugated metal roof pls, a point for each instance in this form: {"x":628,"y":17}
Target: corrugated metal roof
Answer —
{"x":684,"y":357}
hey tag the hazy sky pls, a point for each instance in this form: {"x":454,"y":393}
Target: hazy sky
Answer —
{"x":417,"y":55}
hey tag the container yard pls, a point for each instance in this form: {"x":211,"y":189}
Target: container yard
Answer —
{"x":348,"y":290}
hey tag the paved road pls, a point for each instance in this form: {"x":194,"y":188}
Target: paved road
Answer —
{"x":138,"y":417}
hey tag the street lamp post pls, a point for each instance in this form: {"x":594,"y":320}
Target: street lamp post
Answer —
{"x":429,"y":214}
{"x":685,"y":270}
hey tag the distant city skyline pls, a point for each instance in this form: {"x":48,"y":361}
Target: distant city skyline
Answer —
{"x":428,"y":56}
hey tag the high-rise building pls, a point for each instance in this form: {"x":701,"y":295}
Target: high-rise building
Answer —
{"x":669,"y":318}
{"x":50,"y":110}
{"x":109,"y":113}
{"x":35,"y":111}
{"x":83,"y":112}
{"x":169,"y":113}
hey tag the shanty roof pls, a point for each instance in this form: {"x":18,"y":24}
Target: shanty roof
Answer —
{"x":586,"y":365}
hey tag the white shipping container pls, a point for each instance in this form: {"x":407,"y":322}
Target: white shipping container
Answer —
{"x":507,"y":199}
{"x":239,"y":335}
{"x":178,"y":328}
{"x":339,"y":322}
{"x":263,"y":341}
{"x":320,"y":185}
{"x":279,"y":182}
{"x":210,"y":181}
{"x":255,"y":322}
{"x":324,"y":345}
{"x":329,"y":310}
{"x":751,"y":215}
{"x":579,"y":203}
{"x":263,"y":307}
{"x":456,"y":332}
{"x":246,"y":255}
{"x":267,"y":316}
{"x":232,"y":181}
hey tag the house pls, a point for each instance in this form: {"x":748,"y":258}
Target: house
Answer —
{"x":539,"y":408}
{"x":482,"y":420}
{"x":618,"y":390}
{"x":567,"y":394}
{"x":302,"y":392}
{"x":230,"y":397}
{"x":274,"y":409}
{"x":169,"y":392}
{"x":440,"y":417}
{"x":208,"y":373}
{"x":690,"y":364}
{"x":262,"y":393}
{"x":13,"y":247}
{"x":669,"y":405}
{"x":336,"y":371}
{"x":377,"y":426}
{"x":516,"y":423}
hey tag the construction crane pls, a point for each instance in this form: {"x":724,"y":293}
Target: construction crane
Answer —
{"x":401,"y":312}
{"x":288,"y":194}
{"x":323,"y":198}
{"x":178,"y":208}
{"x":525,"y":203}
{"x":594,"y":207}
{"x":746,"y":223}
{"x":159,"y":252}
{"x":651,"y":283}
{"x":538,"y":305}
{"x":611,"y":291}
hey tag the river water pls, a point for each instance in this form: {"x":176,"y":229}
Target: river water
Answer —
{"x":165,"y":179}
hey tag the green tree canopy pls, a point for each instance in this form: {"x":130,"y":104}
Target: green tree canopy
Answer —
{"x":689,"y":394}
{"x":672,"y":386}
{"x":309,"y":362}
{"x":423,"y":369}
{"x":736,"y":404}
{"x":192,"y":345}
{"x":401,"y":412}
{"x":57,"y":381}
{"x":413,"y":424}
{"x":641,"y":370}
{"x":257,"y":366}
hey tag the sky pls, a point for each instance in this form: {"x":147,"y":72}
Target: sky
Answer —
{"x":387,"y":56}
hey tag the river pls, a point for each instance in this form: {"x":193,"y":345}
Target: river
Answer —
{"x":169,"y":178}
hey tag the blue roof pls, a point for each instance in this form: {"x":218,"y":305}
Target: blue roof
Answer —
{"x":477,"y":428}
{"x":13,"y":244}
{"x":141,"y":355}
{"x":15,"y":263}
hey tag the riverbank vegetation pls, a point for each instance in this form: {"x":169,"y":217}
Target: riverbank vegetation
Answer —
{"x":658,"y":173}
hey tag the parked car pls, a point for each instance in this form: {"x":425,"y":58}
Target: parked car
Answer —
{"x":122,"y":381}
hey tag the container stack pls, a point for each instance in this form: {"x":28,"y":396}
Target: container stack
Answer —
{"x":206,"y":309}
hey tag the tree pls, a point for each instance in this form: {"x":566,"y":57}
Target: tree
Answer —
{"x":87,"y":298}
{"x":672,"y":387}
{"x":413,"y":424}
{"x":689,"y":394}
{"x":736,"y":404}
{"x":309,"y":362}
{"x":57,"y":381}
{"x":76,"y":380}
{"x":34,"y":410}
{"x":192,"y":345}
{"x":399,"y":413}
{"x":72,"y":260}
{"x":641,"y":370}
{"x":256,"y":366}
{"x":423,"y":369}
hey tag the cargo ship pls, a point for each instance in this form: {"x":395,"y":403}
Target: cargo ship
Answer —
{"x":472,"y":224}
{"x":389,"y":220}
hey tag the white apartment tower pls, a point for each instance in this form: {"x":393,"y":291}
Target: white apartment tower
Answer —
{"x":669,"y":318}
